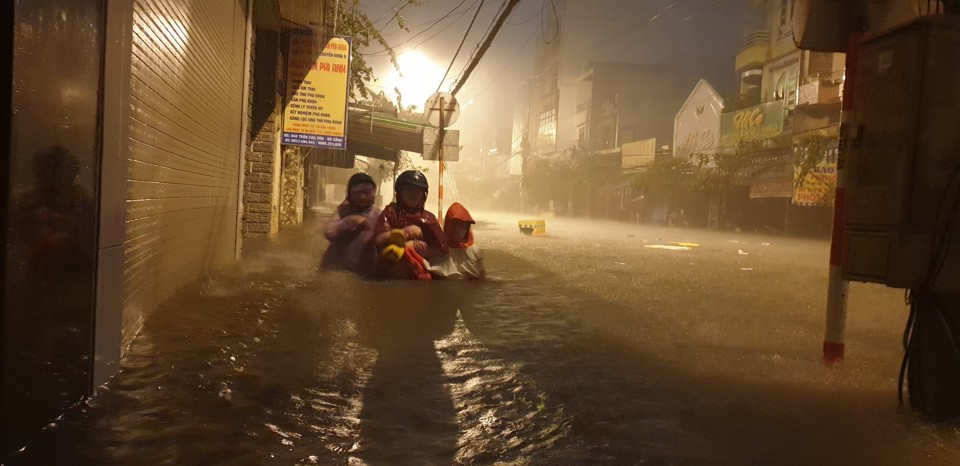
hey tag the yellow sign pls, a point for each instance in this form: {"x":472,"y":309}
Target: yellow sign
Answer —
{"x":818,"y":185}
{"x":532,"y":227}
{"x":318,"y":76}
{"x":748,"y":118}
{"x":757,"y":122}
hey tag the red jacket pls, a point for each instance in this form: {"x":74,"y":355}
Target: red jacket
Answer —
{"x":457,"y":213}
{"x":396,"y":217}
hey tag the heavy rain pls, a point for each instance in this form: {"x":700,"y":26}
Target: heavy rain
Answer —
{"x":516,"y":232}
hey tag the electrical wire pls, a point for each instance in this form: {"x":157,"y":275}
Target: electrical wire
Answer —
{"x":922,"y":296}
{"x":443,"y":18}
{"x":432,"y":22}
{"x":459,"y":47}
{"x":556,"y":22}
{"x":507,"y":66}
{"x":461,"y":80}
{"x":535,"y":15}
{"x":473,"y":53}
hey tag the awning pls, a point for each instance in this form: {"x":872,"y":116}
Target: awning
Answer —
{"x":380,"y":136}
{"x":775,"y":182}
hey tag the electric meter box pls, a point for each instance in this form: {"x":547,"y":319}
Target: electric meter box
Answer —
{"x":903,"y":155}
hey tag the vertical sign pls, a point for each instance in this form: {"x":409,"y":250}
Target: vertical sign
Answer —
{"x":318,"y":76}
{"x":819,"y":184}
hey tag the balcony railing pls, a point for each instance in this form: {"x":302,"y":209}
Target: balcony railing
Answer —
{"x":821,"y":89}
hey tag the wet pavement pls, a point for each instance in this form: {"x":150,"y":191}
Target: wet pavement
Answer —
{"x":601,"y":343}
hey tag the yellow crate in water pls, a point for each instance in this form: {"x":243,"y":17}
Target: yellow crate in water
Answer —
{"x":532,"y":227}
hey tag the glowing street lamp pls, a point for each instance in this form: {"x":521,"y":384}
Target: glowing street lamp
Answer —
{"x":417,"y":78}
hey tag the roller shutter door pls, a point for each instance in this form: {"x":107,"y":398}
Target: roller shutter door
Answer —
{"x":184,"y":134}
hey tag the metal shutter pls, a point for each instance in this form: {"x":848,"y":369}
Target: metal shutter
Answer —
{"x":185,"y":122}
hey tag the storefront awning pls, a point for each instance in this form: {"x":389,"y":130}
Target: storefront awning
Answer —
{"x":380,"y":136}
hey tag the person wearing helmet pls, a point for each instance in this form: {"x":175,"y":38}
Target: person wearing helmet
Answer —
{"x":406,"y":226}
{"x":350,"y":229}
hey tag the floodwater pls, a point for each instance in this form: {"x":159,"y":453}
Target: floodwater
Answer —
{"x":588,"y":346}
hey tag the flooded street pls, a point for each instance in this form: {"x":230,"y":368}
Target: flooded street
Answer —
{"x":588,"y":346}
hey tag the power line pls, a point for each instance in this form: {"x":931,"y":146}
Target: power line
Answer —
{"x":432,"y":25}
{"x":465,"y":35}
{"x":432,"y":22}
{"x":556,"y":22}
{"x":535,"y":15}
{"x":486,"y":45}
{"x":505,"y":67}
{"x":473,"y":53}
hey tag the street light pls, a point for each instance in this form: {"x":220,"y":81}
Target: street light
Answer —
{"x":416,"y":79}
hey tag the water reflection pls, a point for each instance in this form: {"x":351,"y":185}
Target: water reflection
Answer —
{"x":408,"y":414}
{"x":52,"y":236}
{"x":277,"y":365}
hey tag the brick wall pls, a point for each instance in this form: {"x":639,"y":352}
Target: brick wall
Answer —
{"x":262,"y":147}
{"x":258,"y":180}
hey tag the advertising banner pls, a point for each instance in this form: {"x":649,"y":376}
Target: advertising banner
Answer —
{"x":318,"y":76}
{"x":818,"y":186}
{"x":752,"y":123}
{"x":638,"y":154}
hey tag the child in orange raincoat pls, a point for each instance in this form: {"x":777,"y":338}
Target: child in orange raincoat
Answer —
{"x":465,"y":259}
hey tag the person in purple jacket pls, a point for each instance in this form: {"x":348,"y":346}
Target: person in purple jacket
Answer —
{"x":350,"y":229}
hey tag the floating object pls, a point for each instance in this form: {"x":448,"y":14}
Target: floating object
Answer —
{"x":669,"y":247}
{"x":742,"y":252}
{"x":532,"y":227}
{"x":746,"y":268}
{"x":765,"y":244}
{"x":689,"y":245}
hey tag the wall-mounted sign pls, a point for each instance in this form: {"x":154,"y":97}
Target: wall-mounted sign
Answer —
{"x":696,"y":128}
{"x":318,"y":76}
{"x":638,"y":154}
{"x":819,"y":184}
{"x":451,"y":144}
{"x":752,"y":123}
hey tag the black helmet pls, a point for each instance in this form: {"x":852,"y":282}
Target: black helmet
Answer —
{"x":360,"y":178}
{"x":411,"y":177}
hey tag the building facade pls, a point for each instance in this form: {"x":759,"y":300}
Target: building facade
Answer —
{"x":611,"y":73}
{"x":140,"y":147}
{"x":785,"y":118}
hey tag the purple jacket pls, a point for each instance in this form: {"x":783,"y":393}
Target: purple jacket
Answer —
{"x":351,"y":244}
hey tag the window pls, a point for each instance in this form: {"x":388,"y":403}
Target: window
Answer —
{"x":785,"y":17}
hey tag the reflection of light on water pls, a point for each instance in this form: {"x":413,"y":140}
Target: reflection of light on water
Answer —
{"x":500,"y":411}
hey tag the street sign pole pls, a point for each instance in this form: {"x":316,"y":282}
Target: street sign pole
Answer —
{"x":440,"y":183}
{"x":440,"y":116}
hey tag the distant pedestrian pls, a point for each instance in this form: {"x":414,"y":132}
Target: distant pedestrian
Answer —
{"x":407,"y":234}
{"x":351,"y":229}
{"x":677,"y":218}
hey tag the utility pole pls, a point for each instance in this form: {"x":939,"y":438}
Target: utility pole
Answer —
{"x":837,"y":287}
{"x":524,"y":160}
